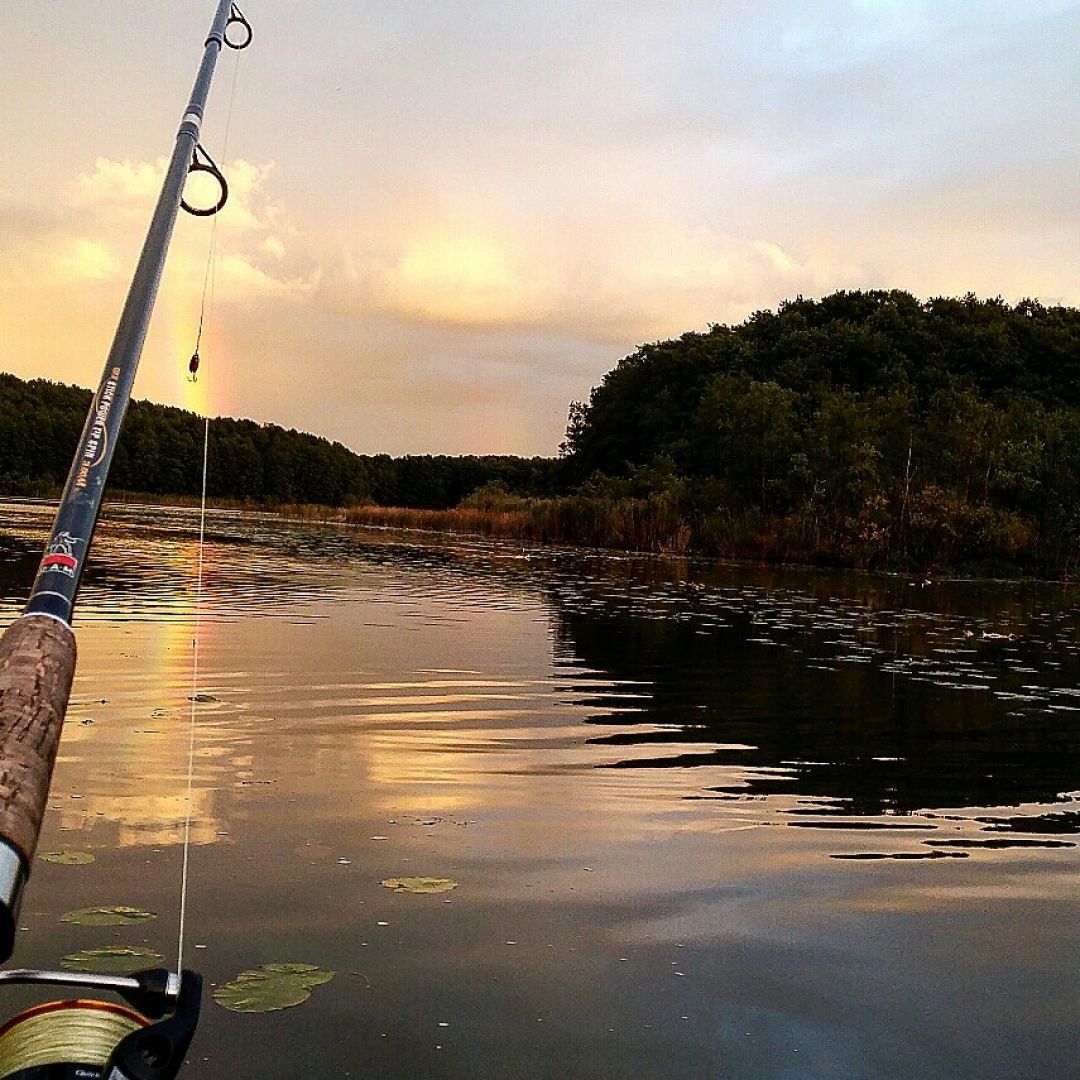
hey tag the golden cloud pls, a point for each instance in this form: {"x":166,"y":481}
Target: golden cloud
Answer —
{"x":88,"y":260}
{"x":72,"y":251}
{"x":462,"y":277}
{"x":113,"y":203}
{"x":127,"y":184}
{"x":605,"y":276}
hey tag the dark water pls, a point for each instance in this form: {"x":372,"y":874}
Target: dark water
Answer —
{"x":706,"y":821}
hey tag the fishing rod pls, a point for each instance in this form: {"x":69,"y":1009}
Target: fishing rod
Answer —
{"x":37,"y":662}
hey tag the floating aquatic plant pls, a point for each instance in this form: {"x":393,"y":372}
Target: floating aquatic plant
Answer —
{"x":117,"y":915}
{"x":271,"y":987}
{"x":111,"y":959}
{"x":419,"y":884}
{"x":67,"y":858}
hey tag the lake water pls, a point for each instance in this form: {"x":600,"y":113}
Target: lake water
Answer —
{"x":706,"y":821}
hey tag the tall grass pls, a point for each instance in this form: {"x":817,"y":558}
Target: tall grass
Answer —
{"x":630,"y":524}
{"x":949,"y":537}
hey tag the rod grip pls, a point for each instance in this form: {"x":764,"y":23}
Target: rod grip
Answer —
{"x":37,"y":664}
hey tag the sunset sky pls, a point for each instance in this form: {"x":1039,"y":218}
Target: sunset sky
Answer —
{"x":450,"y":219}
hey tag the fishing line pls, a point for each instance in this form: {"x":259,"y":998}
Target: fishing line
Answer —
{"x":210,"y":274}
{"x":194,"y":701}
{"x":209,"y":281}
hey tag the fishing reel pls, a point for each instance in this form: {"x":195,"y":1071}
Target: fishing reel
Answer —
{"x":85,"y":1039}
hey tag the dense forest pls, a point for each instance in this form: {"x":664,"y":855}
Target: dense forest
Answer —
{"x":160,"y":453}
{"x":866,"y":428}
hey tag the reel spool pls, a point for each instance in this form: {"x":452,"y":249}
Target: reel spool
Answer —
{"x":64,"y":1040}
{"x":86,"y":1039}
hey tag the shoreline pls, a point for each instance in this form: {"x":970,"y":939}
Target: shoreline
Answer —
{"x":539,"y":524}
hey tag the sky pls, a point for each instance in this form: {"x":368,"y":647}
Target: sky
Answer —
{"x":448,"y":220}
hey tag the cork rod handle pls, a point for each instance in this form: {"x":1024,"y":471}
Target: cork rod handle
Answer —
{"x":37,"y":664}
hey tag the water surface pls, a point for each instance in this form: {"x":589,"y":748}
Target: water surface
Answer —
{"x":706,"y":821}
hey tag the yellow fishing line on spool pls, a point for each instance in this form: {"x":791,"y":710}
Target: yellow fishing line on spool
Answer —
{"x":79,"y":1032}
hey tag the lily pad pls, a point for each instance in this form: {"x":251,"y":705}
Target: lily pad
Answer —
{"x":419,"y":884}
{"x":309,"y":974}
{"x":118,"y":915}
{"x":112,"y":959}
{"x":271,"y":987}
{"x":67,"y":858}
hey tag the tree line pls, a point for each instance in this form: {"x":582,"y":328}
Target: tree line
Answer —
{"x":865,"y":428}
{"x":160,"y":453}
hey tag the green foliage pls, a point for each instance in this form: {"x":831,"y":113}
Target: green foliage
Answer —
{"x":420,"y":886}
{"x":270,"y":988}
{"x":67,"y":858}
{"x":160,"y":453}
{"x":865,"y":428}
{"x":114,"y":915}
{"x":112,"y":959}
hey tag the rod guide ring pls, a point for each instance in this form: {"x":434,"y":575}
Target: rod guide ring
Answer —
{"x":236,"y":18}
{"x":206,"y":164}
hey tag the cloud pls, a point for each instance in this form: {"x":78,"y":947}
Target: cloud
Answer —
{"x":478,"y":210}
{"x":604,"y":274}
{"x":70,"y":251}
{"x":655,"y":276}
{"x":125,"y":185}
{"x":112,"y":204}
{"x":462,"y":276}
{"x":89,"y":260}
{"x":237,"y":279}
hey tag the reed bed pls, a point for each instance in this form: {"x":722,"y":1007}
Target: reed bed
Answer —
{"x":660,"y":524}
{"x":630,"y":524}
